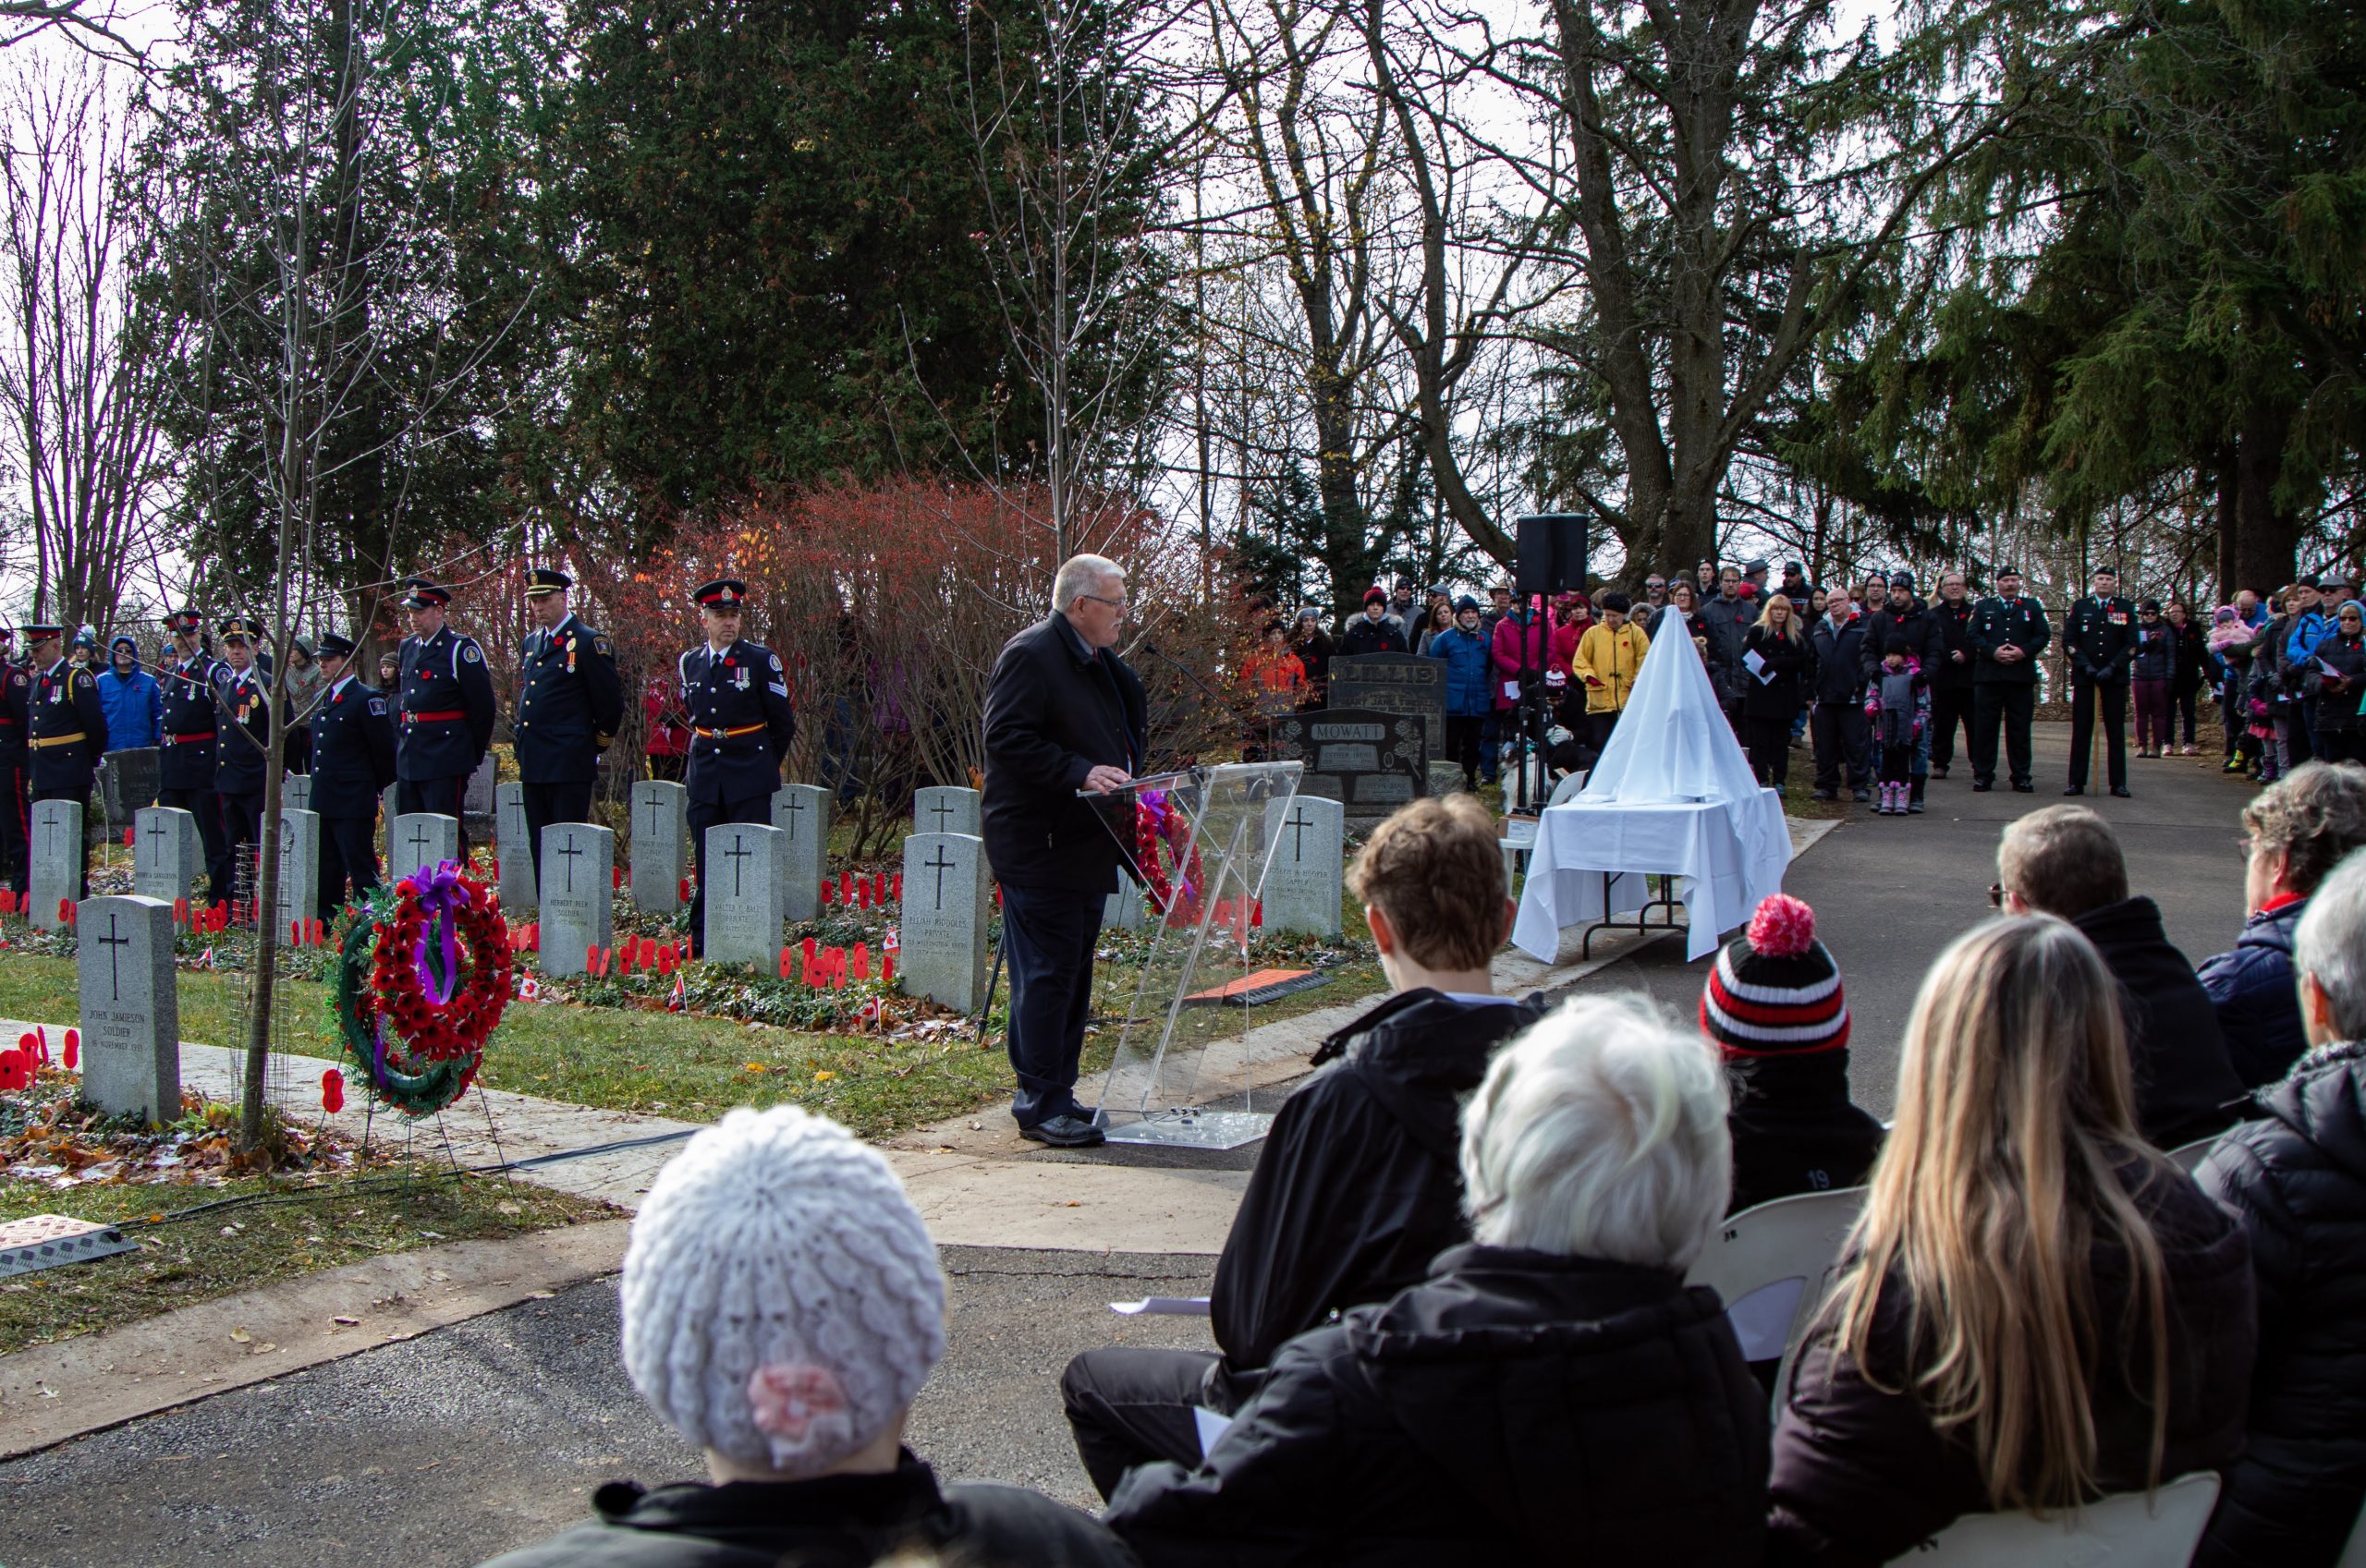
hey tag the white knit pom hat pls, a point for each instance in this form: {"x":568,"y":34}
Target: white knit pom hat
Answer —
{"x":782,"y":1300}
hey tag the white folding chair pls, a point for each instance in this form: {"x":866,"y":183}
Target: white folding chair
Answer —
{"x":2159,"y":1531}
{"x":1570,"y":784}
{"x":2189,"y":1156}
{"x":1773,"y":1265}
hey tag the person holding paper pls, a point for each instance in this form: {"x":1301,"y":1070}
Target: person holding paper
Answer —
{"x":1775,"y":658}
{"x":2339,"y":671}
{"x":1609,"y":657}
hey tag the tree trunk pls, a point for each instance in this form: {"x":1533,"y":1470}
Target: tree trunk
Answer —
{"x":2267,"y":536}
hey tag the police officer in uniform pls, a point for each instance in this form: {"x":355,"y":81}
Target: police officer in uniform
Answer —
{"x":242,"y":720}
{"x":2101,"y":641}
{"x":16,"y":808}
{"x":67,"y":728}
{"x":736,"y":694}
{"x":353,"y":759}
{"x":570,"y":703}
{"x":2007,"y":633}
{"x":446,"y":708}
{"x":190,"y":676}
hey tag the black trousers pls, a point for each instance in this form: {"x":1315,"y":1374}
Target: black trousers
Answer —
{"x":1769,"y":744}
{"x":1462,"y":745}
{"x":16,"y":826}
{"x":2086,"y":696}
{"x":206,"y":807}
{"x":701,"y":816}
{"x":1597,"y":729}
{"x":1129,"y":1407}
{"x":2341,"y":746}
{"x":548,"y":803}
{"x":440,"y":796}
{"x":1838,"y":733}
{"x":241,"y":832}
{"x":1048,"y":935}
{"x":1950,"y":706}
{"x":2185,"y":707}
{"x":2012,"y":705}
{"x":348,"y":851}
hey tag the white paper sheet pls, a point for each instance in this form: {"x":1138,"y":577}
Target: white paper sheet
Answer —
{"x":1163,"y":1307}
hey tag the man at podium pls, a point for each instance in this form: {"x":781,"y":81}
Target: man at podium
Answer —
{"x":1063,"y":714}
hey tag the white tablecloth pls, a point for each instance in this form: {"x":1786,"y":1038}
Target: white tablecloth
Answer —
{"x":1728,"y":854}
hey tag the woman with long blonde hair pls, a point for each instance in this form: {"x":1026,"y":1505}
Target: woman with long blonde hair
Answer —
{"x":1770,"y":688}
{"x":2038,"y":1307}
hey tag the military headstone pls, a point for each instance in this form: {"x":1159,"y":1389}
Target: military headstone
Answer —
{"x":1307,"y":873}
{"x":296,"y":792}
{"x":513,"y":848}
{"x":743,"y":891}
{"x":661,"y":843}
{"x":476,"y":797}
{"x":386,"y":812}
{"x":56,"y":860}
{"x":943,"y":931}
{"x":579,"y":868}
{"x":1369,"y":761}
{"x":423,"y":838}
{"x":946,"y":809}
{"x":1124,"y":907}
{"x":299,"y":867}
{"x":166,"y":852}
{"x":1393,"y":682}
{"x":802,"y":812}
{"x":130,"y":1007}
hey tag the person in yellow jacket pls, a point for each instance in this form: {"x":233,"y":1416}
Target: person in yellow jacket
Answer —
{"x":1607,"y":660}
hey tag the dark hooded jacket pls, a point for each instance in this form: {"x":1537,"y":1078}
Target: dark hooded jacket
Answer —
{"x":1360,"y":1186}
{"x":833,"y":1522}
{"x":1516,"y":1407}
{"x":2186,"y":1086}
{"x":2295,"y":1178}
{"x":1795,"y":1129}
{"x":2251,"y":987}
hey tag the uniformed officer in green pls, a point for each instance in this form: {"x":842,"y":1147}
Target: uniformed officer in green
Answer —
{"x":2101,"y":642}
{"x":67,"y":728}
{"x":570,"y":703}
{"x":2007,"y":633}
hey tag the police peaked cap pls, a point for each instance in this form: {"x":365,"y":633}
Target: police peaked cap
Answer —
{"x":424,"y":595}
{"x":722,"y":593}
{"x":335,"y":647}
{"x":546,"y":580}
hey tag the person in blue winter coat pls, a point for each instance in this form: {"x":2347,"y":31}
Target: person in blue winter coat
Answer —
{"x":1465,"y":648}
{"x":133,"y":700}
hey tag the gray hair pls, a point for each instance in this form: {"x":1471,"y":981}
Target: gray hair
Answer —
{"x":2330,"y":943}
{"x":1078,"y":576}
{"x":1600,"y":1133}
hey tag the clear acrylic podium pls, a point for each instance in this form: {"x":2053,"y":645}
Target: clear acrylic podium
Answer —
{"x":1185,"y":1044}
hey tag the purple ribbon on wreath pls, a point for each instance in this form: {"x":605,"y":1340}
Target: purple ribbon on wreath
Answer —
{"x":441,"y":902}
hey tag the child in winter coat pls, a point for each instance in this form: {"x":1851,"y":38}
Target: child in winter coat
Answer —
{"x":1897,"y":707}
{"x":2230,"y":646}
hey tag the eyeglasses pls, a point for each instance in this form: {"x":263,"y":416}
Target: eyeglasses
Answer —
{"x":1120,"y":605}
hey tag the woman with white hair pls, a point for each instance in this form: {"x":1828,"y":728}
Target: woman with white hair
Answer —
{"x":1553,"y":1384}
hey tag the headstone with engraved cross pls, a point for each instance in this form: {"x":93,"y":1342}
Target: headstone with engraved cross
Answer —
{"x":130,"y":1007}
{"x":423,"y":838}
{"x":56,"y":860}
{"x":944,"y":809}
{"x":299,"y":867}
{"x":1303,"y":880}
{"x":943,"y":931}
{"x":742,"y":892}
{"x":802,"y":812}
{"x":660,"y":843}
{"x":296,"y":792}
{"x":165,"y":851}
{"x":513,"y":849}
{"x":578,"y":866}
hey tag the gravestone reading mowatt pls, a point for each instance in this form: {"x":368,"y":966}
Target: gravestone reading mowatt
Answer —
{"x":165,"y":852}
{"x":1306,"y":875}
{"x":130,"y":1007}
{"x":945,"y":809}
{"x":1393,"y":682}
{"x":299,"y":867}
{"x":742,"y":895}
{"x":423,"y":838}
{"x":802,"y":812}
{"x":578,"y":866}
{"x":1369,"y":761}
{"x":56,"y":860}
{"x":660,"y":843}
{"x":943,"y":931}
{"x":513,"y":849}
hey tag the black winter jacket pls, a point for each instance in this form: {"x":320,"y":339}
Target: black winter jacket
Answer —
{"x":1926,"y":640}
{"x":1794,"y":1128}
{"x":1791,"y":664}
{"x":836,"y":1522}
{"x":2295,"y":1179}
{"x":1359,"y":1187}
{"x":1518,"y":1408}
{"x":1365,"y":634}
{"x":2338,"y":704}
{"x":1839,"y":660}
{"x":2250,"y":988}
{"x":1055,"y":710}
{"x":1860,"y":1476}
{"x":1954,"y":637}
{"x":2186,"y":1086}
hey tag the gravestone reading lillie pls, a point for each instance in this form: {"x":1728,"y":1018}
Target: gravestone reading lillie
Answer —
{"x":165,"y":850}
{"x":299,"y":867}
{"x":1369,"y":761}
{"x":514,"y":850}
{"x":130,"y":1007}
{"x":56,"y":860}
{"x":661,"y":842}
{"x":423,"y":838}
{"x":1306,"y":875}
{"x":578,"y":866}
{"x":802,"y":812}
{"x":1393,"y":682}
{"x":743,"y":891}
{"x":943,"y":931}
{"x":945,"y":809}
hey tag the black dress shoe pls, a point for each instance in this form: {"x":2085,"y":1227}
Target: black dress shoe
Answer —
{"x":1981,"y":787}
{"x":1939,"y":772}
{"x":2076,"y":789}
{"x":1065,"y":1132}
{"x":2024,"y":789}
{"x":2120,"y":790}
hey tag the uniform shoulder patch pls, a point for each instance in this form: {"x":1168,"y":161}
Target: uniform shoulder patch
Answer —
{"x":775,"y":658}
{"x":469,"y":652}
{"x":84,"y":677}
{"x":377,"y":707}
{"x":602,"y":646}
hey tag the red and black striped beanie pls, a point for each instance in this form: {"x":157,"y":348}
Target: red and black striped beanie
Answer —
{"x":1776,"y":992}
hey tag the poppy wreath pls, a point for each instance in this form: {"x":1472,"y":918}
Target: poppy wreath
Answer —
{"x":422,"y":975}
{"x":1176,"y":878}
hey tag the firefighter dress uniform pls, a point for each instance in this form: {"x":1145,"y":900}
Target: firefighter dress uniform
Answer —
{"x":66,"y":731}
{"x":241,"y":745}
{"x":570,"y":703}
{"x":16,"y":806}
{"x":185,"y":771}
{"x":443,"y":714}
{"x":353,"y":760}
{"x":740,"y":727}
